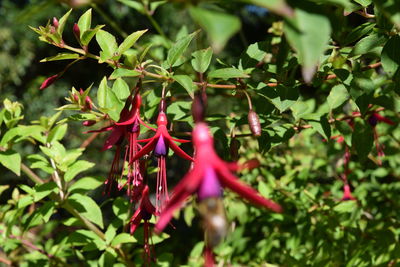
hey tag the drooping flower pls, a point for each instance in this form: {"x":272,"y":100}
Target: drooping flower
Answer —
{"x":127,"y":128}
{"x":159,"y":144}
{"x":347,"y":193}
{"x":144,"y":212}
{"x":373,"y":120}
{"x":207,"y":177}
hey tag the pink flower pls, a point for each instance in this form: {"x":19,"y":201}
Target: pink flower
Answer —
{"x":207,"y":177}
{"x":159,"y":144}
{"x":347,"y":193}
{"x":144,"y":212}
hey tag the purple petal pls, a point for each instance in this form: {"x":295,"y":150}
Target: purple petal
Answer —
{"x":161,"y":148}
{"x":210,"y":186}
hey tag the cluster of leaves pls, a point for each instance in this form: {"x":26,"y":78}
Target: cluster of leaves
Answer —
{"x":321,"y":69}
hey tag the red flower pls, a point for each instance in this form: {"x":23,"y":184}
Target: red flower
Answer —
{"x":373,"y":120}
{"x":206,"y":177}
{"x":128,"y":127}
{"x":347,"y":193}
{"x":160,"y":143}
{"x":144,"y":212}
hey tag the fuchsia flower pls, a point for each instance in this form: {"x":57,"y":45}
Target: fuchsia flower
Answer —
{"x":373,"y":120}
{"x":144,"y":212}
{"x":49,"y":81}
{"x":128,"y":127}
{"x":160,"y":143}
{"x":347,"y":193}
{"x":206,"y":177}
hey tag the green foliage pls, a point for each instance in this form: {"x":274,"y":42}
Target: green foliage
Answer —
{"x":322,"y":76}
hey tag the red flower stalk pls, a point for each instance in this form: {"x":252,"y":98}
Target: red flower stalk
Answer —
{"x":144,"y":212}
{"x":373,"y":120}
{"x":160,"y":143}
{"x":206,"y":177}
{"x":49,"y":81}
{"x":128,"y":127}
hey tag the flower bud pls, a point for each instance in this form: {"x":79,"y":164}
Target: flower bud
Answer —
{"x":76,"y":98}
{"x":88,"y":103}
{"x":89,"y":123}
{"x":254,"y":123}
{"x":77,"y":31}
{"x":49,"y":81}
{"x":55,"y":22}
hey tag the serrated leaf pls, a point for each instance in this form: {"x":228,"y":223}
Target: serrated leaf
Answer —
{"x":201,"y":59}
{"x":87,"y":207}
{"x":220,"y":27}
{"x":86,"y":184}
{"x":57,"y":133}
{"x":130,"y":41}
{"x":308,"y":32}
{"x":227,"y":73}
{"x":88,"y":35}
{"x":390,"y":56}
{"x":85,"y":21}
{"x":123,"y":238}
{"x":187,"y":83}
{"x":107,"y":43}
{"x":337,"y":96}
{"x":118,"y":73}
{"x":60,"y":56}
{"x":62,"y":21}
{"x":121,"y":89}
{"x":76,"y":168}
{"x":176,"y":51}
{"x":11,"y":160}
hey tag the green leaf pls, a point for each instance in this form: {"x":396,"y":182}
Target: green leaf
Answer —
{"x":220,"y":27}
{"x":86,"y":184}
{"x":391,"y":55}
{"x":201,"y":59}
{"x":176,"y":51}
{"x":121,"y":208}
{"x":118,"y":73}
{"x":87,"y":207}
{"x":76,"y":168}
{"x":62,"y":21}
{"x":345,"y":206}
{"x":107,"y":43}
{"x":277,"y":6}
{"x":368,"y":44}
{"x":85,"y":21}
{"x":102,"y":93}
{"x":11,"y":160}
{"x":227,"y":73}
{"x":88,"y":35}
{"x":308,"y":32}
{"x":60,"y":56}
{"x":123,"y":238}
{"x":121,"y":89}
{"x":320,"y":124}
{"x":43,"y":190}
{"x":362,"y":139}
{"x":57,"y":133}
{"x":337,"y":96}
{"x":107,"y":100}
{"x":130,"y":41}
{"x":186,"y":83}
{"x":281,"y":97}
{"x":359,"y":32}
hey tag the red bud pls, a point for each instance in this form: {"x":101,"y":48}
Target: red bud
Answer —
{"x":49,"y":81}
{"x":88,"y":103}
{"x":88,"y":123}
{"x":55,"y":22}
{"x":77,"y":31}
{"x":254,"y":123}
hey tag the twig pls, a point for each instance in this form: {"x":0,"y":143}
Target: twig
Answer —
{"x":89,"y":140}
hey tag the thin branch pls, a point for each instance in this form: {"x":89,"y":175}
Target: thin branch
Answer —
{"x":89,"y":140}
{"x":35,"y":178}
